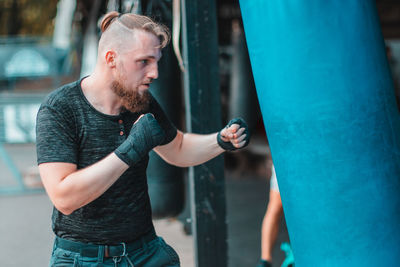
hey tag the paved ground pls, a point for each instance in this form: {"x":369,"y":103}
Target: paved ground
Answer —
{"x":26,"y":238}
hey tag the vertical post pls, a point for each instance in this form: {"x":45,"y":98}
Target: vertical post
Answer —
{"x":90,"y":40}
{"x":63,"y":24}
{"x":203,"y":113}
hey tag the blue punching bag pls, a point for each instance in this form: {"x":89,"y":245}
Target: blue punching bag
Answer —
{"x":327,"y":101}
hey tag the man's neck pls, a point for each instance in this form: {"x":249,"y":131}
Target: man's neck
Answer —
{"x":97,"y":91}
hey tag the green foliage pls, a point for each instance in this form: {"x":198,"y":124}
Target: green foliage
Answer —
{"x":27,"y":17}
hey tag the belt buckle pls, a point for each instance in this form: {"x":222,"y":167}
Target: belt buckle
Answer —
{"x":107,"y":251}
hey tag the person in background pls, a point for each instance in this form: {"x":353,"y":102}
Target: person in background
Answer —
{"x":271,"y":222}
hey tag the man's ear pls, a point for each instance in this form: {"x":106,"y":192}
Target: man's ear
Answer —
{"x":111,"y":57}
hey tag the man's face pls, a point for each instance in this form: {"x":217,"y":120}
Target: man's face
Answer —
{"x":135,"y":71}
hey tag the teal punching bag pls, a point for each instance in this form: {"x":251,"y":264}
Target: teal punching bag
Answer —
{"x":327,"y":101}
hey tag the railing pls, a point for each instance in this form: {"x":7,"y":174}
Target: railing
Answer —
{"x":17,"y":126}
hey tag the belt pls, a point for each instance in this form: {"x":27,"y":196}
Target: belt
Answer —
{"x":91,"y":250}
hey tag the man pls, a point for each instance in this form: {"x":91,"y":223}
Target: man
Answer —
{"x":93,"y":139}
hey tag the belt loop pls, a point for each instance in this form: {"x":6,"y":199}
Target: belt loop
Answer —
{"x":54,"y":245}
{"x":144,"y":243}
{"x":124,"y":246}
{"x":100,"y":254}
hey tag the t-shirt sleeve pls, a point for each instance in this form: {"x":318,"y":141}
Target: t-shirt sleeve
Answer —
{"x":55,"y":136}
{"x":168,"y":127}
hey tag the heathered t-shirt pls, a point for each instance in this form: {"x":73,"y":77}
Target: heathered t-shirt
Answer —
{"x":69,"y":129}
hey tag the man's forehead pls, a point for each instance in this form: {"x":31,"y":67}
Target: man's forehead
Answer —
{"x":146,"y":44}
{"x":145,"y":38}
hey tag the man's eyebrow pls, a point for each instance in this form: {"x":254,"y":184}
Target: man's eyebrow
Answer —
{"x":149,"y":56}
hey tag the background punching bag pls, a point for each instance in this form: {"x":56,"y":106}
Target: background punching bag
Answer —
{"x":242,"y":98}
{"x":328,"y":105}
{"x":166,"y":185}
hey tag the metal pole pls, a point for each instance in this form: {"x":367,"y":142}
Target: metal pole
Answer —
{"x":203,"y":115}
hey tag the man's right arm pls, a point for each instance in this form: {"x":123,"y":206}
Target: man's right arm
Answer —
{"x":70,"y":189}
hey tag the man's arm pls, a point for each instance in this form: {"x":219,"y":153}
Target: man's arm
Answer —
{"x":188,"y":149}
{"x":70,"y":189}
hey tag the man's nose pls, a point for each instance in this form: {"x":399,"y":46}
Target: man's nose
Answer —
{"x":153,"y":72}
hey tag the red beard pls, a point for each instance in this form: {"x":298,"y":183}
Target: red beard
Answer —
{"x":132,"y":100}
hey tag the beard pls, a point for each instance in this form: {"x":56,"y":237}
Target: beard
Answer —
{"x":131,"y":100}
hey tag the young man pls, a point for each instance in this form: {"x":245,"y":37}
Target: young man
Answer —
{"x":93,"y":139}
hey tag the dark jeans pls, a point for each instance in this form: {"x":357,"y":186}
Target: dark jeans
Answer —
{"x":155,"y":253}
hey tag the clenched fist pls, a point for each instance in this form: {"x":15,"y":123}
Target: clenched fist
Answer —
{"x":235,"y":135}
{"x":145,"y":134}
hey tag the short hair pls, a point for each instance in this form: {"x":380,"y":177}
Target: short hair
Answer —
{"x":116,"y":28}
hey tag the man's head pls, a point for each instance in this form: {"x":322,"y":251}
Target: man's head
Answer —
{"x":130,"y":46}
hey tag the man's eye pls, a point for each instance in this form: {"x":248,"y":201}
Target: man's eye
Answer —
{"x":144,"y":61}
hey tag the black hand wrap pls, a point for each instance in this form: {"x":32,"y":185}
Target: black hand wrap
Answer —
{"x":228,"y":145}
{"x":144,"y":136}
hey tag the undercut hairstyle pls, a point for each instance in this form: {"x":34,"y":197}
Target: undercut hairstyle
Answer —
{"x":118,"y":29}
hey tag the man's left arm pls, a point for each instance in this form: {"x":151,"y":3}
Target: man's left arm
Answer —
{"x":188,"y":149}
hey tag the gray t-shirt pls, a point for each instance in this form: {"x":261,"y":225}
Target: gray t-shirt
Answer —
{"x":69,"y":129}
